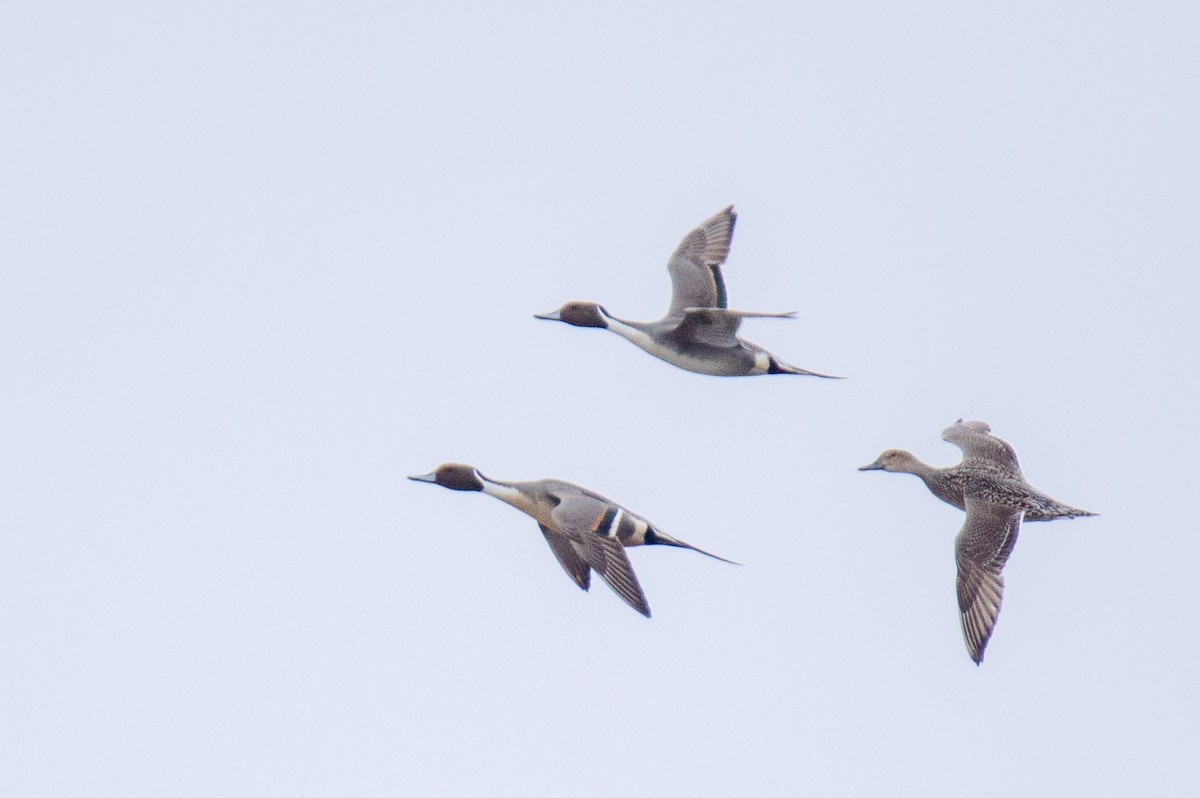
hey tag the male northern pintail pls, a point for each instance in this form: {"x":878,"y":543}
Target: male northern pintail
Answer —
{"x":988,"y":484}
{"x":586,"y":531}
{"x":699,"y":332}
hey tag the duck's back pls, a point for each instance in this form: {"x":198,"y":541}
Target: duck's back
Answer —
{"x":999,"y":486}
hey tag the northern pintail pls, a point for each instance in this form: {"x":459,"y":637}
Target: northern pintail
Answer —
{"x":989,"y":470}
{"x":699,"y":332}
{"x":988,"y":484}
{"x":586,"y":531}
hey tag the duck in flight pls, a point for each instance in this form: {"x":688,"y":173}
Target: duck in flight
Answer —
{"x":989,"y":470}
{"x":699,"y":332}
{"x":586,"y":531}
{"x":989,"y":485}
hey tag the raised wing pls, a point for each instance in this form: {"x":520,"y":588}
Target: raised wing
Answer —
{"x":981,"y":550}
{"x":568,"y":557}
{"x":976,"y":440}
{"x":591,"y":525}
{"x":695,"y":266}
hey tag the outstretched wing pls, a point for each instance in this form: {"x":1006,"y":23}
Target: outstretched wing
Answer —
{"x":568,"y":557}
{"x":591,"y":524}
{"x":981,"y":550}
{"x":695,"y":266}
{"x":717,"y":326}
{"x":976,"y":440}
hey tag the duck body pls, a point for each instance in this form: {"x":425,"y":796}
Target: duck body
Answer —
{"x":699,"y":332}
{"x":585,"y":531}
{"x":713,"y":349}
{"x":989,"y":471}
{"x":981,"y":480}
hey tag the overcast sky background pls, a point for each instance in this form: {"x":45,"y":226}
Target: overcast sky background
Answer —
{"x":261,"y":261}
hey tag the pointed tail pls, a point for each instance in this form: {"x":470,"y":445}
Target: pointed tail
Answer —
{"x":779,"y":367}
{"x":656,"y":538}
{"x":1047,"y":508}
{"x":1075,"y":512}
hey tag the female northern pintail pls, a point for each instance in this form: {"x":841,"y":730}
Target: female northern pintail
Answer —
{"x":989,"y":470}
{"x":699,"y":331}
{"x":988,"y":484}
{"x":586,"y":531}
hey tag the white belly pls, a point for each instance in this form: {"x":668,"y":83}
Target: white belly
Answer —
{"x":701,"y":365}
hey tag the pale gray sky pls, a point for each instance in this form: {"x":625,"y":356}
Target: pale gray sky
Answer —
{"x":260,"y":261}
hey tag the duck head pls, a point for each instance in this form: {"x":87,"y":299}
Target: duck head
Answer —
{"x":578,"y":314}
{"x":896,"y":460}
{"x":455,"y":476}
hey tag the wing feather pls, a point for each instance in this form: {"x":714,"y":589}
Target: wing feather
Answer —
{"x":568,"y":557}
{"x":977,"y":442}
{"x":587,"y":522}
{"x":981,"y":550}
{"x":695,"y":266}
{"x":717,"y":326}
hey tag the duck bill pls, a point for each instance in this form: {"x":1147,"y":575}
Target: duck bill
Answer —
{"x":876,"y":466}
{"x":552,"y":316}
{"x":430,"y":477}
